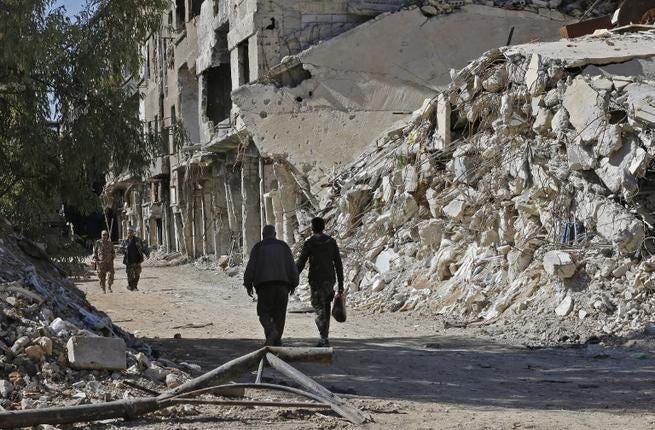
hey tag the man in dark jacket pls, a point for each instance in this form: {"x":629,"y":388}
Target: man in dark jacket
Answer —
{"x":134,"y":250}
{"x":272,"y":273}
{"x":325,"y":268}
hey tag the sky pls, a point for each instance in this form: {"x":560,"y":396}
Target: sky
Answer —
{"x":72,"y":6}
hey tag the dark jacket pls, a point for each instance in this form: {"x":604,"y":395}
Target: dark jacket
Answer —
{"x":324,"y":259}
{"x":271,"y":263}
{"x":134,"y":250}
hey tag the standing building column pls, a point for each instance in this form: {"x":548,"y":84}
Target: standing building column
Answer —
{"x":250,"y":207}
{"x":288,"y":192}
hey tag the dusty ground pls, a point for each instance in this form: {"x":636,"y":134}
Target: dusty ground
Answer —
{"x":405,"y":371}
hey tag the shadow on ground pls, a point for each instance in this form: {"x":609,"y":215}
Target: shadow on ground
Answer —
{"x":456,"y":370}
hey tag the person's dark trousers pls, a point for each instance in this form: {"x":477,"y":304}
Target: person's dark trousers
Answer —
{"x":272,"y":311}
{"x":322,"y":295}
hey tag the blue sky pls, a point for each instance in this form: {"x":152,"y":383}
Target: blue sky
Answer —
{"x":72,"y":6}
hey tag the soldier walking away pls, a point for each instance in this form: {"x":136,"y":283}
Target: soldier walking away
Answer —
{"x":272,"y":272}
{"x":103,"y":255}
{"x":325,"y":268}
{"x":133,"y":254}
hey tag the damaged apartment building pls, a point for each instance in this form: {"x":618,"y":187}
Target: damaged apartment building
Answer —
{"x":257,"y":103}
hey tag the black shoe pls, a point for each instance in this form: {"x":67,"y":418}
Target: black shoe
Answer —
{"x":323,"y":343}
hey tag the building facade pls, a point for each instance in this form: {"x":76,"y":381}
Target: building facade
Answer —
{"x":209,"y":191}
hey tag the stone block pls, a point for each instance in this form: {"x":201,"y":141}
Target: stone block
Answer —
{"x":585,"y":110}
{"x":580,"y":157}
{"x":543,"y":121}
{"x":559,"y":263}
{"x":97,"y":353}
{"x":565,"y":307}
{"x":430,"y":233}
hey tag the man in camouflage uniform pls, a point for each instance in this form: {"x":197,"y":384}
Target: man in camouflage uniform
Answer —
{"x":103,"y":255}
{"x":133,"y":255}
{"x":325,"y":268}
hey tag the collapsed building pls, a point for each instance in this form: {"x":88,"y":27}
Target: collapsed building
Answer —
{"x":327,"y":78}
{"x":523,"y":190}
{"x":57,"y":349}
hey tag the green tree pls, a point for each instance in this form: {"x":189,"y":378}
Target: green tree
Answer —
{"x":68,"y":103}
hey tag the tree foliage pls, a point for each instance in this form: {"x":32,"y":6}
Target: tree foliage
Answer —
{"x":68,"y":102}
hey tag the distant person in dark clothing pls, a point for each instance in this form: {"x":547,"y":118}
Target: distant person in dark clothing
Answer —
{"x":133,"y":255}
{"x":271,"y":272}
{"x":325,"y":268}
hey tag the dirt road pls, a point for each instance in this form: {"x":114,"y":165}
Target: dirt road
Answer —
{"x":406,"y":371}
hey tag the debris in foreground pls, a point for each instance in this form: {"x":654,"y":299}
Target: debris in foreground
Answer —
{"x":208,"y":383}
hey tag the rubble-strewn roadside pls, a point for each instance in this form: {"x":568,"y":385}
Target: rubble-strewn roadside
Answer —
{"x":57,"y":349}
{"x":521,"y":196}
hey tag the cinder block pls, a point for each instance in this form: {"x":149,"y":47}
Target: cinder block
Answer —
{"x":97,"y":353}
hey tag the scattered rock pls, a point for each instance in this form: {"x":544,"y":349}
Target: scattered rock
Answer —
{"x":565,"y":307}
{"x":559,"y":263}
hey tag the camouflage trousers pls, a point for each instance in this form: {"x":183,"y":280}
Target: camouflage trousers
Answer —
{"x":106,"y":277}
{"x":322,"y":294}
{"x":133,"y":273}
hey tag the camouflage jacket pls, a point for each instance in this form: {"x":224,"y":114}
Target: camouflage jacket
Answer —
{"x":103,"y":253}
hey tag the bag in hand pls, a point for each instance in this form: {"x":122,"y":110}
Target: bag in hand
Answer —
{"x":93,"y":265}
{"x":339,"y":308}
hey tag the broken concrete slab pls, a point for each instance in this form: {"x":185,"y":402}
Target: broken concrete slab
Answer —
{"x":641,"y":97}
{"x":591,"y":50}
{"x":585,"y":108}
{"x":643,"y":68}
{"x":97,"y":353}
{"x":372,"y":75}
{"x":430,"y":233}
{"x":565,"y":307}
{"x":580,"y":157}
{"x":614,"y":170}
{"x":559,"y":263}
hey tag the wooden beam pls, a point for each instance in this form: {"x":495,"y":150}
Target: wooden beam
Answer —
{"x":337,"y":404}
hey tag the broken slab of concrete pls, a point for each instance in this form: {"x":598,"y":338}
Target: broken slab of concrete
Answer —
{"x":372,"y":75}
{"x":97,"y":353}
{"x":559,"y":263}
{"x":591,"y":50}
{"x":586,"y":109}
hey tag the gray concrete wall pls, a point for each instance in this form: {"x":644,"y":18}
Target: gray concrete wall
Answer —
{"x":365,"y":80}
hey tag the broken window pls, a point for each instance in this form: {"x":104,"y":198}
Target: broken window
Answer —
{"x":195,"y":7}
{"x":219,"y":87}
{"x":244,"y":63}
{"x":188,"y":106}
{"x":180,"y":14}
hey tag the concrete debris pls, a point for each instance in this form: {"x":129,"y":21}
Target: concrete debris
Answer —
{"x":565,"y":307}
{"x":97,"y":353}
{"x":560,"y":264}
{"x":537,"y":191}
{"x":41,"y":313}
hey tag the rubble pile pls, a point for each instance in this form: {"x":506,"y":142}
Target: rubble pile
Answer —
{"x":576,"y":8}
{"x":55,"y":348}
{"x":522,"y":196}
